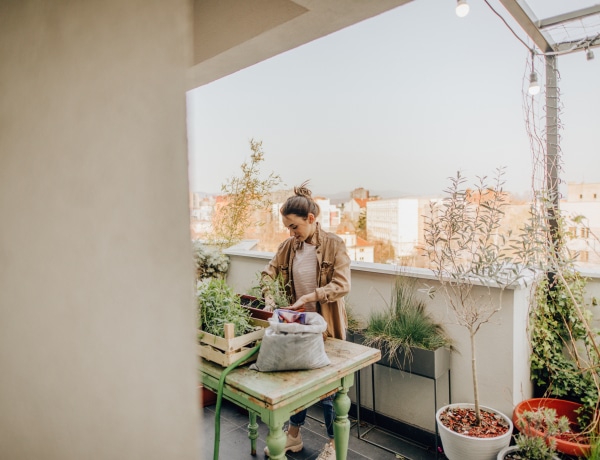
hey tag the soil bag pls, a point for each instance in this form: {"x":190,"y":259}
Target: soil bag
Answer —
{"x":288,"y":346}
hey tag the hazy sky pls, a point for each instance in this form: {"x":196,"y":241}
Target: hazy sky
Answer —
{"x":395,"y":103}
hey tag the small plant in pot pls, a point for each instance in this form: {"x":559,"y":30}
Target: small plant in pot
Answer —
{"x":278,"y":295}
{"x":530,"y":446}
{"x":469,"y":254}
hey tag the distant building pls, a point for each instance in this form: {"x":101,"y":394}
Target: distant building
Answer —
{"x":359,"y":249}
{"x":397,"y":220}
{"x":354,"y":207}
{"x":202,"y":208}
{"x":324,"y":217}
{"x":359,"y":193}
{"x":582,"y":209}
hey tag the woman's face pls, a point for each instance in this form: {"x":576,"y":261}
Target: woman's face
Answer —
{"x":300,"y":228}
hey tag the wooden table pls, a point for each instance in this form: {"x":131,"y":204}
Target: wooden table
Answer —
{"x":274,"y":396}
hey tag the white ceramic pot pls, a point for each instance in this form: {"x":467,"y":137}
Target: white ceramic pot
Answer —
{"x":460,"y":447}
{"x":508,"y":450}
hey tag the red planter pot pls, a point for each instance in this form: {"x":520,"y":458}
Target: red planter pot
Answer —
{"x":207,"y":397}
{"x":562,"y":407}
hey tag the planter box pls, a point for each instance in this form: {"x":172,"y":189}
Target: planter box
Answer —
{"x":431,"y":364}
{"x":226,"y":351}
{"x":252,"y":303}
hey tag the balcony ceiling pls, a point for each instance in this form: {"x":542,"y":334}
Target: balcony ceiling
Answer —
{"x":230,"y":35}
{"x":558,"y":27}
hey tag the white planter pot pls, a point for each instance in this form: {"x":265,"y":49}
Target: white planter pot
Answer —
{"x":460,"y":447}
{"x":508,"y":450}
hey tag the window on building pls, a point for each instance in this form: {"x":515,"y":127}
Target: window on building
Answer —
{"x":584,"y":256}
{"x":585,"y":232}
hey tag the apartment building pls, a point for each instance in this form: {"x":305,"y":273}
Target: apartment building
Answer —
{"x":397,"y":220}
{"x":582,"y":210}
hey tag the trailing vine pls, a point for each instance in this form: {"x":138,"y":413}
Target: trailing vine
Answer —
{"x":563,"y":361}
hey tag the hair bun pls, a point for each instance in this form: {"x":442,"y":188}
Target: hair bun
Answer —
{"x":302,"y":190}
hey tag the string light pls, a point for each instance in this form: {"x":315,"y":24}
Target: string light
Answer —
{"x":589,"y":54}
{"x":462,"y":8}
{"x":534,"y":84}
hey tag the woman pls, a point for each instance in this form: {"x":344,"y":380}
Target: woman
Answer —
{"x":315,"y":267}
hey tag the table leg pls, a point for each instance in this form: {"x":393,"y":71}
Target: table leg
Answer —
{"x":341,"y":424}
{"x":252,"y":432}
{"x":276,"y":442}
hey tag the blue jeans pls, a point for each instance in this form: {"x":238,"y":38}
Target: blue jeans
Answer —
{"x":328,"y":415}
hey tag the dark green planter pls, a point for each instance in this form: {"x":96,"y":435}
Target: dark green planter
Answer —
{"x":426,"y":363}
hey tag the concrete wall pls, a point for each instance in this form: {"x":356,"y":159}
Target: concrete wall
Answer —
{"x":97,"y":352}
{"x":502,"y":345}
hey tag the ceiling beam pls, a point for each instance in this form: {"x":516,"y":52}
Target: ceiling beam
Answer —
{"x":570,"y":16}
{"x":527,"y":20}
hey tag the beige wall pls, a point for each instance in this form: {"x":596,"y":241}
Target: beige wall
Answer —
{"x":97,"y":355}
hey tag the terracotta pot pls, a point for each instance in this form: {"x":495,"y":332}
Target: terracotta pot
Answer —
{"x":461,"y":447}
{"x":562,"y":407}
{"x":250,"y":302}
{"x":511,"y":449}
{"x":207,"y":397}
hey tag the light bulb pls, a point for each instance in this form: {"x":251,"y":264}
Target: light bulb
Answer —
{"x":534,"y":85}
{"x":589,"y":54}
{"x":462,"y":8}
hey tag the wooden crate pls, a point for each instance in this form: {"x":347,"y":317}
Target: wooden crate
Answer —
{"x":226,"y":351}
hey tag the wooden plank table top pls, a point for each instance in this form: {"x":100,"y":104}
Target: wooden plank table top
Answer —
{"x":277,"y":395}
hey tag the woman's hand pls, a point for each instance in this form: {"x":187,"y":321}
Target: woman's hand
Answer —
{"x":299,"y":304}
{"x":269,"y":304}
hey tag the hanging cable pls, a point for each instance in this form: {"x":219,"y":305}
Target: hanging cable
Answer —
{"x":509,"y":27}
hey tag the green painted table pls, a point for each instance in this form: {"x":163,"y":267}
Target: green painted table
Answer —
{"x":274,"y":396}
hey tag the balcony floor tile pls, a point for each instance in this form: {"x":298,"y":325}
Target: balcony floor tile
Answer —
{"x":235,"y":445}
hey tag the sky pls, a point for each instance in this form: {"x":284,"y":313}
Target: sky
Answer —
{"x":395,"y":104}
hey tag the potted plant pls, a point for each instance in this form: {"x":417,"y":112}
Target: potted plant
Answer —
{"x":210,"y":261}
{"x":225,"y":328}
{"x":254,"y":299}
{"x":565,"y":358}
{"x":219,"y":305}
{"x":535,"y":440}
{"x":571,"y":440}
{"x":408,"y":336}
{"x":467,"y":249}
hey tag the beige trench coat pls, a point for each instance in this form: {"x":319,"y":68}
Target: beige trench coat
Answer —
{"x":333,"y":277}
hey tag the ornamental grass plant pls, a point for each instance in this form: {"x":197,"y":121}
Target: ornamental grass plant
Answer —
{"x":405,"y":324}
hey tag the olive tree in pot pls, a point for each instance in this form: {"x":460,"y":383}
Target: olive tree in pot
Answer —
{"x":467,"y":250}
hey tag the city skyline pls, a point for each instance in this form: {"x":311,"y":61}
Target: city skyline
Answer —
{"x":384,"y":106}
